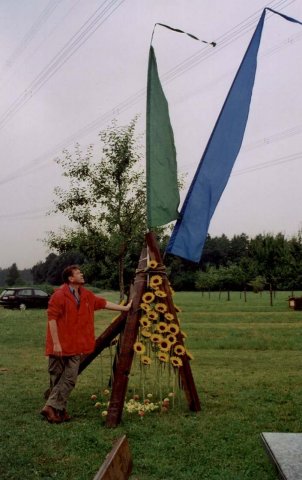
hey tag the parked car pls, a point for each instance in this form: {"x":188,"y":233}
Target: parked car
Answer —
{"x":23,"y":298}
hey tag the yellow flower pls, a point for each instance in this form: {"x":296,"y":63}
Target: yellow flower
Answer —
{"x":176,"y":362}
{"x":161,"y":307}
{"x":156,"y":338}
{"x":145,"y":306}
{"x":171,"y":338}
{"x":160,"y":293}
{"x":189,"y":355}
{"x":172,"y":291}
{"x":173,"y":328}
{"x":169,"y":316}
{"x":148,"y":297}
{"x":164,"y":345}
{"x":177,"y":309}
{"x":146,"y":360}
{"x":152,"y":315}
{"x":155,"y":281}
{"x":161,"y":327}
{"x":145,"y":332}
{"x":139,"y":348}
{"x":144,"y":321}
{"x":163,"y":357}
{"x":183,"y":334}
{"x":179,"y":350}
{"x":152,"y":264}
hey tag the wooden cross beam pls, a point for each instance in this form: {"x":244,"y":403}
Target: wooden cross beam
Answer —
{"x":118,"y":463}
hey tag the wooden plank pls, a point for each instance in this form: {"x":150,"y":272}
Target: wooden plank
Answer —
{"x":104,"y":340}
{"x":118,"y":463}
{"x":125,"y":358}
{"x":185,"y":371}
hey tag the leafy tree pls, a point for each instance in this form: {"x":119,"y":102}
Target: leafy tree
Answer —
{"x":12,"y":275}
{"x":105,"y":198}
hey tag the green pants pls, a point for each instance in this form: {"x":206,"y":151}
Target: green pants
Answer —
{"x":63,"y":372}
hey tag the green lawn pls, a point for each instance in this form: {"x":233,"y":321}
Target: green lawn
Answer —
{"x":247,"y":368}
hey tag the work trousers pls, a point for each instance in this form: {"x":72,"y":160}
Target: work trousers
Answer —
{"x":63,"y":373}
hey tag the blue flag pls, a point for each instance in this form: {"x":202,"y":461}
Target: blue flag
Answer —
{"x":214,"y":169}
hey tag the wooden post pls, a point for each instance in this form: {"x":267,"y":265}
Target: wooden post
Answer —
{"x":185,"y":372}
{"x":104,"y":340}
{"x":124,"y":361}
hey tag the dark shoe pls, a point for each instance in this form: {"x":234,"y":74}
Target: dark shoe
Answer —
{"x":64,"y":416}
{"x":50,"y":414}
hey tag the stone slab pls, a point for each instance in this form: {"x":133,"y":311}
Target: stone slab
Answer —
{"x":285,"y":451}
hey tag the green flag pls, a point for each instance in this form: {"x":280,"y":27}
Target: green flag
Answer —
{"x":162,"y":188}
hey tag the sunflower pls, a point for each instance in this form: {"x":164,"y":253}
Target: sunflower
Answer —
{"x":145,"y":306}
{"x":171,"y":338}
{"x":161,"y":307}
{"x":179,"y":349}
{"x":169,"y":316}
{"x":155,"y":281}
{"x":183,"y":334}
{"x":156,"y":338}
{"x":161,"y":327}
{"x":152,"y":315}
{"x":172,"y":291}
{"x":160,"y":293}
{"x":145,"y":332}
{"x":152,"y":264}
{"x":165,"y":345}
{"x":173,"y":328}
{"x":176,"y":362}
{"x":139,"y":348}
{"x":163,"y":357}
{"x":144,"y":321}
{"x":177,"y":309}
{"x":146,"y":360}
{"x":148,"y":297}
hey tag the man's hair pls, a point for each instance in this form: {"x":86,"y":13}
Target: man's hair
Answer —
{"x":68,"y":272}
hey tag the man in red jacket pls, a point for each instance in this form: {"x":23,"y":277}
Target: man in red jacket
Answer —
{"x":70,"y":334}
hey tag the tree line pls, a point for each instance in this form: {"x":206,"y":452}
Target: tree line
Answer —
{"x":105,"y":199}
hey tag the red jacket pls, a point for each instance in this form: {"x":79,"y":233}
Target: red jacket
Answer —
{"x":75,"y":322}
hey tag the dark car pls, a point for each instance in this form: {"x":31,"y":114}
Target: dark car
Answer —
{"x":23,"y":298}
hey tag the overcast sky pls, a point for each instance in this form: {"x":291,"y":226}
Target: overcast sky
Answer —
{"x":68,"y":67}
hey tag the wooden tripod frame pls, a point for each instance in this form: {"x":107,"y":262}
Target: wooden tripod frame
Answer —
{"x":129,"y":325}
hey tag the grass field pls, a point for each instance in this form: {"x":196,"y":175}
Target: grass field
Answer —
{"x":247,"y":369}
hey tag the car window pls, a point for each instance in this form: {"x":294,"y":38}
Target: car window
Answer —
{"x":40,"y":293}
{"x":7,"y":293}
{"x":24,"y":293}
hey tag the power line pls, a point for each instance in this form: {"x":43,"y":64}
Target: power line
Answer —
{"x":269,"y":164}
{"x":118,"y":109}
{"x":69,"y":49}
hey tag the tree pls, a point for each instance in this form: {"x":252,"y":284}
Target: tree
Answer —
{"x":12,"y":275}
{"x":105,"y":198}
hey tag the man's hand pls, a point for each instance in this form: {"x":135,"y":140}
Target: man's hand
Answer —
{"x":57,"y":349}
{"x":128,"y":306}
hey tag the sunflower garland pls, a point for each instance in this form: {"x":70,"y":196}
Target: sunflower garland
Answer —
{"x":145,"y":306}
{"x":160,"y":293}
{"x":148,"y":297}
{"x":169,"y":316}
{"x":179,"y":349}
{"x":152,"y":264}
{"x":161,"y":307}
{"x":173,"y":328}
{"x":152,"y":315}
{"x":146,"y":333}
{"x":139,"y":348}
{"x":163,"y":356}
{"x":146,"y":360}
{"x":176,"y":361}
{"x":155,"y":281}
{"x":145,"y":322}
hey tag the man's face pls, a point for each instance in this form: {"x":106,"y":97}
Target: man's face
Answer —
{"x":76,"y":278}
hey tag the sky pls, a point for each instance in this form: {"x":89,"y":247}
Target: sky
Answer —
{"x":69,"y":67}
